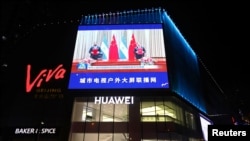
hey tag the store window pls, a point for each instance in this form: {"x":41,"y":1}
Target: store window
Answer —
{"x":90,"y":112}
{"x":190,"y":120}
{"x":153,"y":117}
{"x":99,"y":122}
{"x":160,"y":111}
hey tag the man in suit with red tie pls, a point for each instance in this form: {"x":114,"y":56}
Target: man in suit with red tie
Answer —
{"x":95,"y":52}
{"x":139,"y":51}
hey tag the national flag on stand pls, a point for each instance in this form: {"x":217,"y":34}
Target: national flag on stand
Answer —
{"x":113,"y":50}
{"x":104,"y":48}
{"x":123,"y":50}
{"x":132,"y":46}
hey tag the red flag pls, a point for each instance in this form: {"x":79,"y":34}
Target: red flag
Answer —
{"x":113,"y":50}
{"x":132,"y":45}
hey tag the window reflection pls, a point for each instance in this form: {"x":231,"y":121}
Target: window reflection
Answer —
{"x":91,"y":112}
{"x":159,"y":111}
{"x":190,"y":120}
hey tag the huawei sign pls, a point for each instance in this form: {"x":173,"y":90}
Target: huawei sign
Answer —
{"x":44,"y":76}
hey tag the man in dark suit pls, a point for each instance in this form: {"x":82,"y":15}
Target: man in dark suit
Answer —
{"x":95,"y":52}
{"x":139,"y":51}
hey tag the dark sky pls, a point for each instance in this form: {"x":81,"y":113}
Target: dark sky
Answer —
{"x":217,"y":31}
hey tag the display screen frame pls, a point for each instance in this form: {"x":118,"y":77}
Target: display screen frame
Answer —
{"x":119,"y":70}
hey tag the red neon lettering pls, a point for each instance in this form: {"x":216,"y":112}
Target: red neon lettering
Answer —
{"x":58,"y":73}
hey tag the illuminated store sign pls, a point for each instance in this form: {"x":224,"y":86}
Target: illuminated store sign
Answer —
{"x":30,"y":131}
{"x":205,"y":122}
{"x":114,"y":100}
{"x":45,"y":75}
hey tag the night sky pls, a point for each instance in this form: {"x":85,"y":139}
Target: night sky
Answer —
{"x":217,"y":32}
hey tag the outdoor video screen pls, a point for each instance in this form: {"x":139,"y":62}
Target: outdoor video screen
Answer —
{"x":119,"y":57}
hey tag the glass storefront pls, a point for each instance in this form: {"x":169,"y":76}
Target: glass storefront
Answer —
{"x":147,"y":119}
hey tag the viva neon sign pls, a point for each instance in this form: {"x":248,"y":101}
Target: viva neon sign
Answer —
{"x":44,"y":76}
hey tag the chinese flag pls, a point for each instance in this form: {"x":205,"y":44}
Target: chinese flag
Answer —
{"x":113,"y":50}
{"x":132,"y":45}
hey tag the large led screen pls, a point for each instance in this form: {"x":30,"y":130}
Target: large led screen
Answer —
{"x":119,"y":57}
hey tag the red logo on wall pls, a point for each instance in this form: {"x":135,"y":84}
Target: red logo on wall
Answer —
{"x":45,"y":75}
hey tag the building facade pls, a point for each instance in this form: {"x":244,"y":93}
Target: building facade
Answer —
{"x":60,"y":99}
